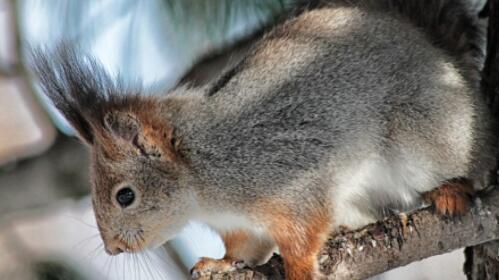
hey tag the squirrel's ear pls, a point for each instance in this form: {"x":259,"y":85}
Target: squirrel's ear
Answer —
{"x":122,"y":125}
{"x":148,"y":138}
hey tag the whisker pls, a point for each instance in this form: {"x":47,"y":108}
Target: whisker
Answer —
{"x":107,"y":265}
{"x":139,"y":264}
{"x":81,"y":221}
{"x":93,"y":253}
{"x":139,"y":241}
{"x":112,"y":260}
{"x":164,"y":256}
{"x":85,"y":240}
{"x":147,"y":265}
{"x":135,"y":244}
{"x":156,"y":265}
{"x":125,"y":266}
{"x":136,"y":266}
{"x":115,"y":264}
{"x":120,"y":267}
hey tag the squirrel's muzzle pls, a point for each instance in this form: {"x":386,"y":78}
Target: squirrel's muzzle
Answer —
{"x":113,"y":251}
{"x":114,"y":246}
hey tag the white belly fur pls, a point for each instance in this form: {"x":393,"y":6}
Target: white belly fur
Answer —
{"x":363,"y":190}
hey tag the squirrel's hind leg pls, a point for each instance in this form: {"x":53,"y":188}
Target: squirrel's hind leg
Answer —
{"x":452,"y":198}
{"x":300,"y":239}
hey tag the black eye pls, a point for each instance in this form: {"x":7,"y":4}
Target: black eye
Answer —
{"x":125,"y":197}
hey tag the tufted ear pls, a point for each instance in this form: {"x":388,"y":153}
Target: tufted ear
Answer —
{"x":94,"y":104}
{"x":122,"y":125}
{"x":149,"y":137}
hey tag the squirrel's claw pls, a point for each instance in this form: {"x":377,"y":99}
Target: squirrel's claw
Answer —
{"x":207,"y":266}
{"x":452,"y":199}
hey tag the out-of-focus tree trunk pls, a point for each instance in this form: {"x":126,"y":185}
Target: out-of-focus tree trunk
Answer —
{"x":482,"y":261}
{"x":25,"y":127}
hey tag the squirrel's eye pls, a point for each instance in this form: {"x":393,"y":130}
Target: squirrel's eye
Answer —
{"x":125,"y":197}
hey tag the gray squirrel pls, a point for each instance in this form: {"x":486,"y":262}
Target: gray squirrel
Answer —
{"x":339,"y":114}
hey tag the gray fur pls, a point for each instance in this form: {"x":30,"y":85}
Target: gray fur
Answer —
{"x":338,"y":83}
{"x":346,"y":110}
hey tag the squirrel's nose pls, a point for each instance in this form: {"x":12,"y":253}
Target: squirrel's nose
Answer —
{"x":114,"y":248}
{"x":113,"y":251}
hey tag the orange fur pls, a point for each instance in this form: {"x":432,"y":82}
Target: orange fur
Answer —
{"x":299,"y":239}
{"x":243,"y":245}
{"x":452,"y":198}
{"x":156,"y":135}
{"x":234,"y":242}
{"x":158,"y":132}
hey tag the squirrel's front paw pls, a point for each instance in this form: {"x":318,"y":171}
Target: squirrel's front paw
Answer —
{"x":207,"y":266}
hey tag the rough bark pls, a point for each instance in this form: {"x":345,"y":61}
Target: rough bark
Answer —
{"x":482,"y":261}
{"x":394,"y":242}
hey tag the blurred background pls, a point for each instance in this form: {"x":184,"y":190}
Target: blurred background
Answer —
{"x":47,"y":227}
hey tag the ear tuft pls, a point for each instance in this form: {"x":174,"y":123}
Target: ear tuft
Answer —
{"x":61,"y":79}
{"x":121,"y":124}
{"x":80,"y":88}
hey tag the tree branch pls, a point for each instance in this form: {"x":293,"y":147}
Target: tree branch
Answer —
{"x":394,"y":242}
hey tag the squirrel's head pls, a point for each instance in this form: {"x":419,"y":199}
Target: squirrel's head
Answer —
{"x":137,"y":170}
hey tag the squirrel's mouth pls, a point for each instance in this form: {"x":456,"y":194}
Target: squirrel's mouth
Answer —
{"x":134,"y":246}
{"x":136,"y":240}
{"x":143,"y":244}
{"x":121,"y":246}
{"x":128,"y":242}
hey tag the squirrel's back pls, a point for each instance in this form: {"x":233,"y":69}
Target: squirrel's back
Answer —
{"x":451,"y":25}
{"x":337,"y":91}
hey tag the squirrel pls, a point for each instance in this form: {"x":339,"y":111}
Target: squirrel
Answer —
{"x":339,"y":114}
